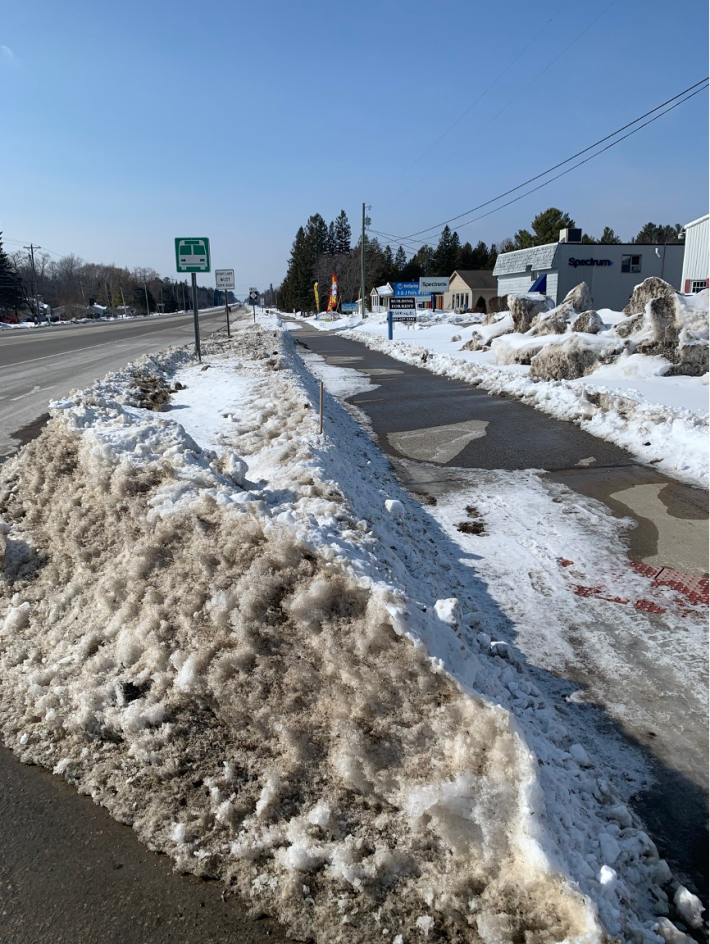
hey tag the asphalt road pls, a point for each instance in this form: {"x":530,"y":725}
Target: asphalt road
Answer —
{"x":39,"y":365}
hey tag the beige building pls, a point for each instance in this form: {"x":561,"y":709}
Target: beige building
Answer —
{"x":470,"y":290}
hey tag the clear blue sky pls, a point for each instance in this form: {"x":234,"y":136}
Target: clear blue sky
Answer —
{"x":128,"y":124}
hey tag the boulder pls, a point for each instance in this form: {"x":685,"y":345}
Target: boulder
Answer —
{"x":551,"y":322}
{"x":523,"y":309}
{"x":630,"y":325}
{"x":660,"y":318}
{"x":693,"y":360}
{"x":495,"y":305}
{"x":589,"y":322}
{"x":516,"y":348}
{"x":573,"y":357}
{"x":645,"y":292}
{"x":580,"y":298}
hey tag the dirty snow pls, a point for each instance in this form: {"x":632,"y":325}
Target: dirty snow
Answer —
{"x":227,"y":631}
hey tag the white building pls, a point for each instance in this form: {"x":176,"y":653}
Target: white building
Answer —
{"x":611,"y":271}
{"x":380,"y":297}
{"x":696,"y":266}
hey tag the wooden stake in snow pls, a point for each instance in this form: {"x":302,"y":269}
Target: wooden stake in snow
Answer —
{"x":320,"y":423}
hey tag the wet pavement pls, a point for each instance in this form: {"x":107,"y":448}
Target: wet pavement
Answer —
{"x":416,"y":414}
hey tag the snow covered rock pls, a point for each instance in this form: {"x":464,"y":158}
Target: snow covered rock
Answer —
{"x":551,"y":322}
{"x":588,"y":322}
{"x":523,"y":309}
{"x":693,"y":360}
{"x":689,"y":906}
{"x":630,"y":325}
{"x":519,"y":348}
{"x":448,"y":611}
{"x":670,"y":933}
{"x":649,"y":289}
{"x":496,"y":305}
{"x":580,"y":298}
{"x":573,"y":357}
{"x":4,"y":531}
{"x":483,"y":335}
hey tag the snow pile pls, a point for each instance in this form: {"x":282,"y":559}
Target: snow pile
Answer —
{"x":221,"y":647}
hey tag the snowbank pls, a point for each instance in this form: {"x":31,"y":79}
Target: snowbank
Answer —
{"x":242,"y":652}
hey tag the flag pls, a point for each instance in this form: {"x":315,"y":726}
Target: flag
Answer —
{"x":315,"y":292}
{"x":333,"y":300}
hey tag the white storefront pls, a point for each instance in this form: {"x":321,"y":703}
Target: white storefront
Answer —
{"x":611,"y":271}
{"x":696,"y":265}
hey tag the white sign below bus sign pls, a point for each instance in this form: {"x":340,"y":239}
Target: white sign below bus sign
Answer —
{"x":224,"y":278}
{"x":435,"y":285}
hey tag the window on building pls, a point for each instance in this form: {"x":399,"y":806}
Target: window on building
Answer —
{"x":631,"y":263}
{"x":698,"y":286}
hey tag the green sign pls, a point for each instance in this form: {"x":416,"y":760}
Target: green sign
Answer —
{"x":192,"y":255}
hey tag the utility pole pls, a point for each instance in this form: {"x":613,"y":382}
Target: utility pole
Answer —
{"x":147,"y":306}
{"x":362,"y":264}
{"x":31,"y":250}
{"x":123,"y":299}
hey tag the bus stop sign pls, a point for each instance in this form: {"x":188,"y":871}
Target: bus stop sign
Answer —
{"x":192,"y":255}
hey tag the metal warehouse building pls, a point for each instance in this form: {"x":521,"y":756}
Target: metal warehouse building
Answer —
{"x":696,"y":264}
{"x":611,"y":271}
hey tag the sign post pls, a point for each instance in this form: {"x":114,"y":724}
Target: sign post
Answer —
{"x":253,"y":296}
{"x":193,"y":255}
{"x":224,"y":279}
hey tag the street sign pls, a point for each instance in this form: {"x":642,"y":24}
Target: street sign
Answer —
{"x":402,"y":289}
{"x":253,"y":295}
{"x":224,"y":278}
{"x":435,"y":285}
{"x":402,"y":304}
{"x":192,"y":255}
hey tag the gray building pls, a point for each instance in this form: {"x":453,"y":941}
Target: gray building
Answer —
{"x":611,"y":271}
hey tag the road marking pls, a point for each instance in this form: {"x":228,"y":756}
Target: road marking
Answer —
{"x":439,"y":444}
{"x":28,"y":394}
{"x":586,"y":462}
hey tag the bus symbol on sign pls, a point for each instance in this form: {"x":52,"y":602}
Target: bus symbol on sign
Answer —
{"x":192,"y":255}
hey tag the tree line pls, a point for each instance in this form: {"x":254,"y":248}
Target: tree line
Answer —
{"x":321,"y":249}
{"x":73,"y":286}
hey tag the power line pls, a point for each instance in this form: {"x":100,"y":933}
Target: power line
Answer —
{"x":585,"y":161}
{"x":572,"y":157}
{"x":515,"y":97}
{"x":493,"y":83}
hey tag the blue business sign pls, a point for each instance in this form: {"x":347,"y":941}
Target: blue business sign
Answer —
{"x":405,"y":289}
{"x":348,"y":307}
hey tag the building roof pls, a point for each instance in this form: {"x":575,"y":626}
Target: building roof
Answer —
{"x":538,"y":257}
{"x":700,"y":219}
{"x":383,"y":290}
{"x":476,"y":278}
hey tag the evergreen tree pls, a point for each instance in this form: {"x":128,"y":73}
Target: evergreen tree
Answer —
{"x":400,"y":262}
{"x":343,"y":233}
{"x":332,"y":241}
{"x":467,"y":258}
{"x":546,"y":229}
{"x":317,"y":234}
{"x":389,"y":270}
{"x":482,"y":256}
{"x":12,"y":294}
{"x":609,"y":237}
{"x":446,"y":255}
{"x":653,"y":233}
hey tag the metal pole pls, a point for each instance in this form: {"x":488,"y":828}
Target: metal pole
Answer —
{"x":31,"y":249}
{"x":147,"y":304}
{"x":197,"y":322}
{"x":362,"y":263}
{"x":123,"y":299}
{"x":320,"y":421}
{"x":390,"y":325}
{"x":226,"y":310}
{"x":254,"y":307}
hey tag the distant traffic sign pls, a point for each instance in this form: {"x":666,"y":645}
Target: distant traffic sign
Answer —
{"x":254,"y":295}
{"x":224,"y":278}
{"x":192,"y":255}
